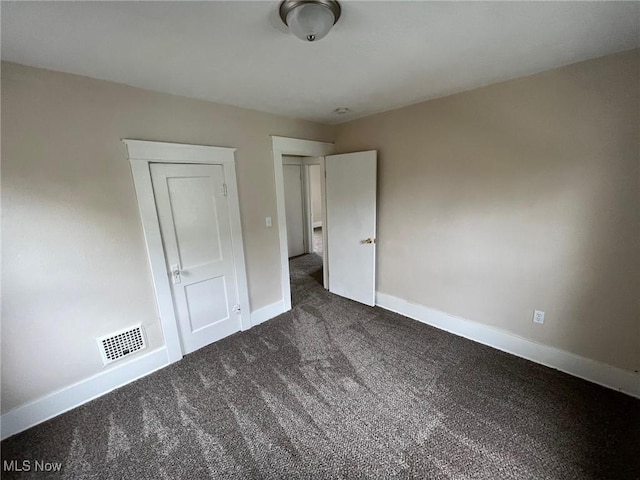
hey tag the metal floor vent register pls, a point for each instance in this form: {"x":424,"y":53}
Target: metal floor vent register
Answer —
{"x":120,"y":344}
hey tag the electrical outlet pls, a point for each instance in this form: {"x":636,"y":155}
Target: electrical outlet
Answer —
{"x":267,"y":221}
{"x":538,"y":316}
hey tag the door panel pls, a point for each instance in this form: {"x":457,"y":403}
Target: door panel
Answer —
{"x":195,"y":220}
{"x":294,"y":210}
{"x":194,"y":223}
{"x":351,"y":224}
{"x":207,"y":302}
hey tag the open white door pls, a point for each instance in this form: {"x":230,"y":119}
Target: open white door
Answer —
{"x":351,"y":224}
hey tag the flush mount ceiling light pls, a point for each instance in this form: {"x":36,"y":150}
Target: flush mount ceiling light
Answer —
{"x":309,"y":20}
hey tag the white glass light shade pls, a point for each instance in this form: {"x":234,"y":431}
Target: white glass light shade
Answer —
{"x":310,"y":22}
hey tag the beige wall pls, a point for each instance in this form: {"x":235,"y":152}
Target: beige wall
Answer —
{"x":492,"y":202}
{"x":518,"y":196}
{"x":74,"y":264}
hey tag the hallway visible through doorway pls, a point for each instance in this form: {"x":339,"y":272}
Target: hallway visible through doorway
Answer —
{"x":317,"y":241}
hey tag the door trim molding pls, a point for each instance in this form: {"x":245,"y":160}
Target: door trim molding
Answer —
{"x":141,"y":155}
{"x":163,"y":152}
{"x":291,"y":146}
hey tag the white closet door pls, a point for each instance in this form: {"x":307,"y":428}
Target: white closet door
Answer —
{"x":194,"y":222}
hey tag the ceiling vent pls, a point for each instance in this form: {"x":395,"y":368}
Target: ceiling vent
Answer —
{"x":120,"y":344}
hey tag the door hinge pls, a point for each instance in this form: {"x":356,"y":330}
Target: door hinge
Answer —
{"x":223,"y":190}
{"x":236,"y":309}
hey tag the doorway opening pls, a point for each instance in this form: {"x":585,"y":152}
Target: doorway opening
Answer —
{"x":303,"y":205}
{"x":348,"y":196}
{"x":282,"y":147}
{"x":303,"y":214}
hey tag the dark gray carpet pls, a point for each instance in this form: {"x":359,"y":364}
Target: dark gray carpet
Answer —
{"x":334,"y":389}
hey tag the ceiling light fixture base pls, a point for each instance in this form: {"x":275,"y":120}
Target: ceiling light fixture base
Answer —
{"x":310,"y":20}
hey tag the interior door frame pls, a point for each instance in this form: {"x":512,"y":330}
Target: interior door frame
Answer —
{"x":305,"y":148}
{"x":141,"y":154}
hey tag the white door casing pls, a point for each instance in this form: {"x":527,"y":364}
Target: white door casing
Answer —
{"x":294,"y":209}
{"x":351,"y":224}
{"x":194,"y":220}
{"x":141,"y":154}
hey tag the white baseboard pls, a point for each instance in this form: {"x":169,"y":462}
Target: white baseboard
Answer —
{"x":43,"y":409}
{"x":266,"y":313}
{"x":52,"y":405}
{"x":26,"y":416}
{"x":597,"y":372}
{"x":317,"y":224}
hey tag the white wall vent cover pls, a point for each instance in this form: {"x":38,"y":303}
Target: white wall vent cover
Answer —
{"x":119,"y":344}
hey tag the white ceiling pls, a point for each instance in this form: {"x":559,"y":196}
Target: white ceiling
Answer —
{"x":380,"y":55}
